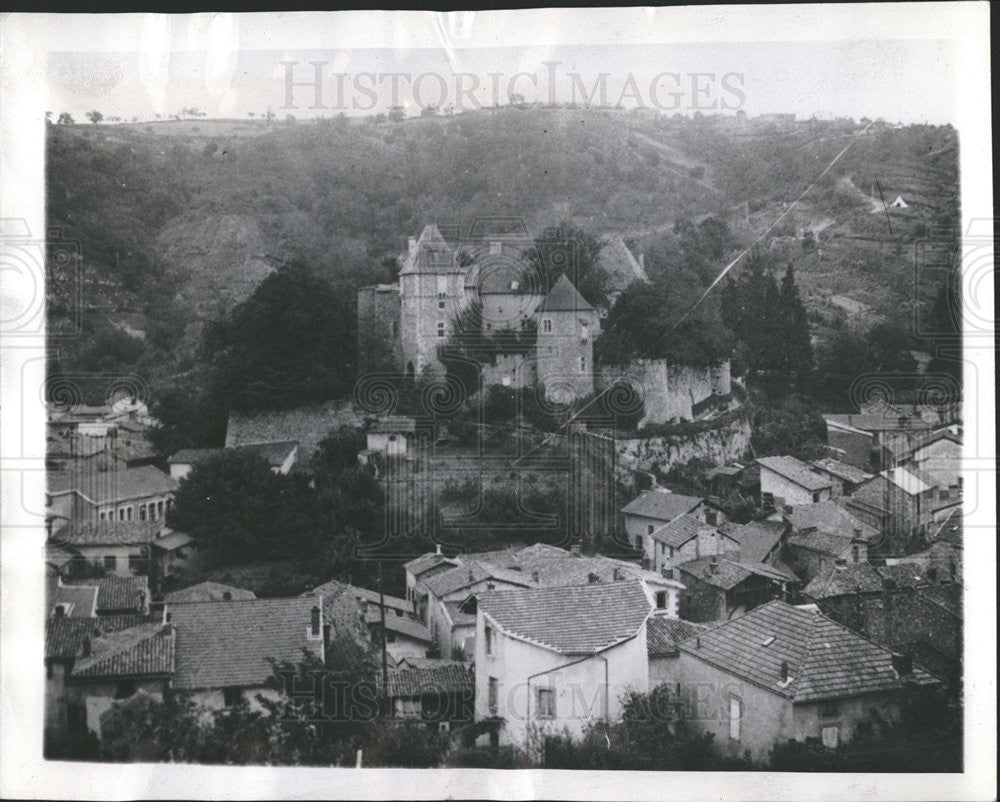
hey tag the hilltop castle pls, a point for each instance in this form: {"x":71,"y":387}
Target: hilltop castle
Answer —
{"x":402,"y":325}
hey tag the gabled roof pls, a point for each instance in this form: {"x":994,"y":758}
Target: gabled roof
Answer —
{"x":661,"y":504}
{"x":877,"y":422}
{"x":951,"y":530}
{"x":118,"y":484}
{"x":222,"y":644}
{"x":119,"y":593}
{"x":904,"y":574}
{"x":679,"y":531}
{"x":572,"y":620}
{"x":208,"y":592}
{"x":64,"y":636}
{"x":757,"y":539}
{"x":432,"y":677}
{"x":827,"y":516}
{"x":564,"y":297}
{"x":828,"y":543}
{"x":425,"y":562}
{"x":843,"y":580}
{"x":144,"y":651}
{"x":840,"y":469}
{"x":663,"y":634}
{"x":795,"y":470}
{"x":825,"y":660}
{"x":365,"y":595}
{"x":431,"y":255}
{"x":275,"y":452}
{"x":170,"y":540}
{"x":469,"y":573}
{"x":728,"y":573}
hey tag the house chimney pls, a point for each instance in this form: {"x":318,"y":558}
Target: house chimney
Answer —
{"x":166,"y":616}
{"x":491,"y":586}
{"x":437,"y":548}
{"x":713,"y":565}
{"x":86,"y":647}
{"x":617,"y":574}
{"x":857,"y":533}
{"x":575,"y":549}
{"x":314,"y":622}
{"x":787,"y":509}
{"x":471,"y":577}
{"x":534,"y":577}
{"x":593,"y":579}
{"x":697,"y":642}
{"x":227,"y":596}
{"x":784,"y":671}
{"x":840,"y":564}
{"x":168,"y":629}
{"x":412,"y":245}
{"x":902,"y":663}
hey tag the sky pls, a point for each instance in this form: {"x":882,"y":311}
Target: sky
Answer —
{"x":911,"y":81}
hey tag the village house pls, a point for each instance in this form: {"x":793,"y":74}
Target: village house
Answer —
{"x":842,"y":476}
{"x":280,"y":456}
{"x":942,"y":559}
{"x":683,"y":539}
{"x":119,"y":547}
{"x":550,"y":660}
{"x":813,"y":552}
{"x":663,"y":634}
{"x":404,"y":637}
{"x":656,"y":507}
{"x":787,"y":480}
{"x":938,"y":456}
{"x":882,"y":433}
{"x":781,"y":672}
{"x":119,"y":494}
{"x":391,"y":436}
{"x":899,"y":503}
{"x":440,"y":693}
{"x":64,"y":636}
{"x":172,"y":550}
{"x":719,"y":588}
{"x":759,"y":541}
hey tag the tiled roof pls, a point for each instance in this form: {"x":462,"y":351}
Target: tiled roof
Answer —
{"x":119,"y":593}
{"x":877,"y":422}
{"x":951,"y":530}
{"x":678,"y":531}
{"x":571,"y":620}
{"x":729,"y":573}
{"x":120,"y":484}
{"x":947,"y":596}
{"x":432,"y":255}
{"x":825,"y":660}
{"x":663,"y":634}
{"x":557,"y":567}
{"x":275,"y":453}
{"x":564,"y":297}
{"x":469,"y":573}
{"x":425,"y":562}
{"x":840,"y":469}
{"x":442,"y":678}
{"x":905,"y":575}
{"x":399,"y":624}
{"x":107,"y":533}
{"x":795,"y":470}
{"x":78,"y":601}
{"x":170,"y":540}
{"x":365,"y":594}
{"x":661,"y":504}
{"x":143,"y":651}
{"x":458,"y":618}
{"x":828,"y":543}
{"x":827,"y":516}
{"x":842,"y":580}
{"x":341,"y":610}
{"x":757,"y":539}
{"x":63,"y":636}
{"x":208,"y":592}
{"x":222,"y":644}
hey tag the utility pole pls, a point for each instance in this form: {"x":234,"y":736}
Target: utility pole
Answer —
{"x":385,"y":666}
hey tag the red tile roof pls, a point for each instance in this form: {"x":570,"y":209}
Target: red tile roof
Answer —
{"x":228,"y":643}
{"x":572,"y":620}
{"x":825,"y":660}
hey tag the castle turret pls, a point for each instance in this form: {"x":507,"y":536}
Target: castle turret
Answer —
{"x":431,"y":285}
{"x":567,"y":326}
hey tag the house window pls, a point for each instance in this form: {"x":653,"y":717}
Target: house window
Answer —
{"x":110,"y":563}
{"x":104,"y":516}
{"x":735,"y":714}
{"x":159,"y":509}
{"x":649,"y":529}
{"x":142,"y":512}
{"x":136,"y":563}
{"x":661,"y":600}
{"x":440,"y":304}
{"x":670,"y":552}
{"x":831,"y":736}
{"x":128,"y":514}
{"x":855,"y":553}
{"x":711,"y":517}
{"x":489,"y":639}
{"x":124,"y":689}
{"x":546,"y":703}
{"x":546,"y":325}
{"x":583,"y":363}
{"x":767,"y":499}
{"x":440,"y":328}
{"x":494,"y":695}
{"x":638,"y":542}
{"x":121,"y":515}
{"x":815,"y":498}
{"x":828,"y":710}
{"x":392,"y":438}
{"x":232,"y":696}
{"x":390,"y":637}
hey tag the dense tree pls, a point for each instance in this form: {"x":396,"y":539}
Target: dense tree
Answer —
{"x":790,"y":426}
{"x":291,"y":343}
{"x":797,"y":356}
{"x":94,"y":116}
{"x":65,"y":118}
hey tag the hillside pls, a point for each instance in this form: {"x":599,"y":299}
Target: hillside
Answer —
{"x":179,"y":220}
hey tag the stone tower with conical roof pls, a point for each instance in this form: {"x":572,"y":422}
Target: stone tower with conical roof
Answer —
{"x":431,"y":291}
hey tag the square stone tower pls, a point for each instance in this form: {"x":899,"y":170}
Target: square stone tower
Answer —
{"x":567,"y":326}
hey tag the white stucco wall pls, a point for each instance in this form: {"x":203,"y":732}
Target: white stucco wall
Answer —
{"x":791,"y":493}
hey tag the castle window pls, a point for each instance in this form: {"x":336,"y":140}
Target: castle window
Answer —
{"x":547,"y":325}
{"x":440,"y":328}
{"x":440,"y":304}
{"x":583,"y":363}
{"x":395,"y":329}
